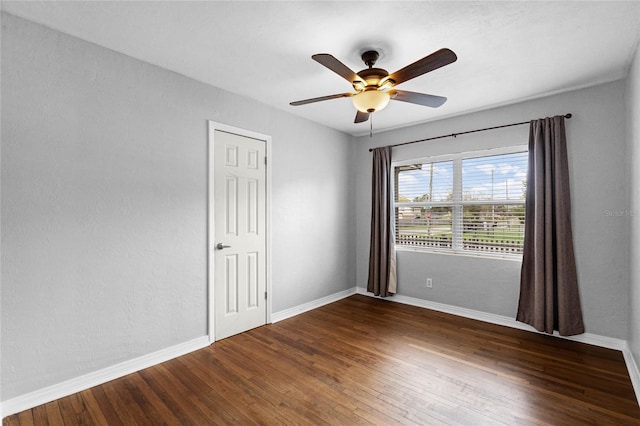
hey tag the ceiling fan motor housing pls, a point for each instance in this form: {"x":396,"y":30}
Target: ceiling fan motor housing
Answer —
{"x":373,"y":76}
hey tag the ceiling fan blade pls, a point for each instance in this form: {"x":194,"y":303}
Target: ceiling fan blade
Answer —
{"x":429,"y":63}
{"x":321,"y":98}
{"x":417,"y":98}
{"x":361,"y":117}
{"x":336,"y":66}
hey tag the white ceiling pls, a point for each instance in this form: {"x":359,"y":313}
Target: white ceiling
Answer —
{"x":507,"y":51}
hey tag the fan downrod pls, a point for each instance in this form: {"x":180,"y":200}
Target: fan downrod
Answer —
{"x":370,"y":57}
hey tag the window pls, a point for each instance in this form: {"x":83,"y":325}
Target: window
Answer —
{"x":471,"y":202}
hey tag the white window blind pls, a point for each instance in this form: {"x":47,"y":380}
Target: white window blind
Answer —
{"x":424,"y":195}
{"x":470,"y":202}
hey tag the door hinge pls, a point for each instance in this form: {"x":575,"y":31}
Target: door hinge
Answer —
{"x":265,"y":295}
{"x":265,"y":161}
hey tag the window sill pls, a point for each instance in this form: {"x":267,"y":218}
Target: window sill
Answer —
{"x":476,"y":255}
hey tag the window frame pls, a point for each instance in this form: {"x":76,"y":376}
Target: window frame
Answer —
{"x":456,"y":204}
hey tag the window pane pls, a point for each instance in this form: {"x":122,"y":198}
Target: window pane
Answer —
{"x":424,"y":182}
{"x":493,"y":228}
{"x":496,"y":177}
{"x":422,"y":227}
{"x":484,"y":216}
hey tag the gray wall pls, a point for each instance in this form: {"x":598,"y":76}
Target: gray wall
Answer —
{"x":633,"y":138}
{"x":596,"y":142}
{"x":104,"y":196}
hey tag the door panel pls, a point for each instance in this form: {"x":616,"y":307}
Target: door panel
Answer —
{"x":239,"y":233}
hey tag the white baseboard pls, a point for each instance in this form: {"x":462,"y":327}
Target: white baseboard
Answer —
{"x":634,"y":372}
{"x":296,"y":310}
{"x":589,"y":338}
{"x":592,"y":339}
{"x":60,"y":390}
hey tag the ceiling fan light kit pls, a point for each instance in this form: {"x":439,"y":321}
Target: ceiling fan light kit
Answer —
{"x":371,"y":100}
{"x":373,"y":86}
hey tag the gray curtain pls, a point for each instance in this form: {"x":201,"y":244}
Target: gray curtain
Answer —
{"x":549,"y":297}
{"x":382,"y":255}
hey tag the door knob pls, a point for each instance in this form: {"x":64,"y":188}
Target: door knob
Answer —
{"x":221,"y":246}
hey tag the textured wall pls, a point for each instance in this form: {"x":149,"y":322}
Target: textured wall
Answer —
{"x":598,"y":184}
{"x":104,"y":196}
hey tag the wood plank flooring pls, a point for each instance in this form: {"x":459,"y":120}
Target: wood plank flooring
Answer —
{"x":366,"y":361}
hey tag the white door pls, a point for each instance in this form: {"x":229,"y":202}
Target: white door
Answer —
{"x":239,"y":237}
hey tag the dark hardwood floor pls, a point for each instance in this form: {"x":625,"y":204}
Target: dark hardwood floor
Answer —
{"x":366,"y":361}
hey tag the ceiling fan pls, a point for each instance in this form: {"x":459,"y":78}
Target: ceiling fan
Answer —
{"x":374,"y":87}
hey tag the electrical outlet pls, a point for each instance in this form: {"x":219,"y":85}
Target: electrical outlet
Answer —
{"x":429,"y":283}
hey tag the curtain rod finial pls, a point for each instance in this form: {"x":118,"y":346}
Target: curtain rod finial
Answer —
{"x":569,"y":115}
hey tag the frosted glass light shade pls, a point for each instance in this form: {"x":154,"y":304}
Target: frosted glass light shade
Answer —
{"x":371,"y":100}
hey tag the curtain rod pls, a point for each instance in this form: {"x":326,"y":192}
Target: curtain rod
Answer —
{"x":453,"y":135}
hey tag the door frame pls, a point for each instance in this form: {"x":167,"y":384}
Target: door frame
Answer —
{"x":213,"y":126}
